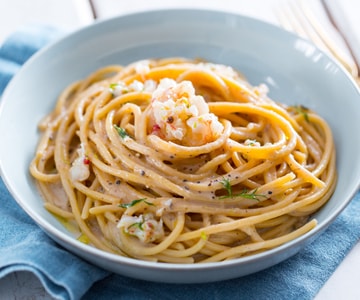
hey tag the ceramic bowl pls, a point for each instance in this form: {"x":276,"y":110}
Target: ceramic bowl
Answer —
{"x":294,"y":69}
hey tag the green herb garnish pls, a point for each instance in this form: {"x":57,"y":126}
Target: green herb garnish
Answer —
{"x":113,"y":86}
{"x":303,"y":111}
{"x":227,"y":186}
{"x":138,"y":225}
{"x":134,"y":202}
{"x":121,"y":131}
{"x":250,"y":195}
{"x":244,"y":194}
{"x":252,"y":142}
{"x":120,"y":87}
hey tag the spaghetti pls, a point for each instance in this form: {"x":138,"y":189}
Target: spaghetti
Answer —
{"x":182,"y":161}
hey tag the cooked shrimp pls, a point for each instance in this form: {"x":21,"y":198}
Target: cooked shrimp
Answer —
{"x":179,"y":115}
{"x":79,"y":170}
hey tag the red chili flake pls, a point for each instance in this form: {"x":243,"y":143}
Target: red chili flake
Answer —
{"x":156,"y":128}
{"x":86,"y":161}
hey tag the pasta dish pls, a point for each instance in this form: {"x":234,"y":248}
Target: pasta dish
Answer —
{"x":182,"y":161}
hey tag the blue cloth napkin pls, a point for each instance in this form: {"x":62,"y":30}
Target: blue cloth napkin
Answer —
{"x":25,"y":247}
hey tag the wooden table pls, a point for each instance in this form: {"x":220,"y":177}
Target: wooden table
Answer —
{"x":73,"y":14}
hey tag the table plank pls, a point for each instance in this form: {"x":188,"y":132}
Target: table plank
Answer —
{"x":255,"y":8}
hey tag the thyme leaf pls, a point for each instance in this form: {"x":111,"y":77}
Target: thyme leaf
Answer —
{"x":227,"y":186}
{"x":134,"y":202}
{"x":303,"y":111}
{"x":244,"y":194}
{"x":138,"y":225}
{"x":250,"y":195}
{"x":121,"y":131}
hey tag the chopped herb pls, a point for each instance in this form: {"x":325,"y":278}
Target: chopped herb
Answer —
{"x":227,"y":186}
{"x":250,"y":195}
{"x":113,"y":86}
{"x":244,"y":194}
{"x":138,"y":225}
{"x":252,"y":142}
{"x":118,"y":88}
{"x":302,"y":110}
{"x":121,"y":131}
{"x":134,"y":202}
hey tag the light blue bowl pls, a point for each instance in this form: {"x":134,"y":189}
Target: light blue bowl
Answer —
{"x":295,"y":70}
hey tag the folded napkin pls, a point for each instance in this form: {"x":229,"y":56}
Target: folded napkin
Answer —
{"x":20,"y":46}
{"x":25,"y":247}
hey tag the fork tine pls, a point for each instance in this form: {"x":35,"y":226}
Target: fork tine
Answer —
{"x":297,"y":17}
{"x":292,"y":19}
{"x":281,"y":14}
{"x":338,"y":52}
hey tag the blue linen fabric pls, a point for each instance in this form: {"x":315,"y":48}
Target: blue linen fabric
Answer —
{"x":25,"y":247}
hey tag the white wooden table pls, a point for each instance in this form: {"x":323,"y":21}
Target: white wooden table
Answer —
{"x":73,"y":14}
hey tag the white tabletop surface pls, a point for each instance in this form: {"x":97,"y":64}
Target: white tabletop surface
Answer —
{"x":73,"y":14}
